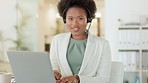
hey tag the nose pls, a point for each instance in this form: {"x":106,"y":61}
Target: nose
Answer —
{"x":75,"y":21}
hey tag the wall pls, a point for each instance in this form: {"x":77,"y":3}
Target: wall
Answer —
{"x":7,"y":23}
{"x":10,"y":17}
{"x":101,"y":9}
{"x":47,"y":21}
{"x":29,"y":9}
{"x":128,"y":11}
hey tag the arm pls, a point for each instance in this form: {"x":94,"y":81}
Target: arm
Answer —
{"x":103,"y":73}
{"x":54,"y":62}
{"x":53,"y":55}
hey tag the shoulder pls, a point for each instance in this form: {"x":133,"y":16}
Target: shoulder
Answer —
{"x":101,"y":43}
{"x":61,"y":35}
{"x":99,"y":39}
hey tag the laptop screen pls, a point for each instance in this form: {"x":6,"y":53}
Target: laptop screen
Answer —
{"x":31,"y":67}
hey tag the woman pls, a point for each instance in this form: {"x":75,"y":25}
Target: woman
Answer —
{"x":79,"y":56}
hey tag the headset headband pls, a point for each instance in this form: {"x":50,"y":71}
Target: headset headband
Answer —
{"x":89,"y":19}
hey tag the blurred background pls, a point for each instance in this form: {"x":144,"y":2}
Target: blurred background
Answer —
{"x":29,"y":25}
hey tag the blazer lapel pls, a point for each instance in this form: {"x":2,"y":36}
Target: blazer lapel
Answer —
{"x":88,"y":51}
{"x":63,"y":51}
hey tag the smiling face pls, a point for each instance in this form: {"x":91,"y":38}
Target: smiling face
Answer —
{"x":76,"y":21}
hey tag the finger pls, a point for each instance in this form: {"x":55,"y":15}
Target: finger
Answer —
{"x":56,"y":73}
{"x":70,"y":82}
{"x":64,"y":80}
{"x":58,"y":81}
{"x":57,"y":76}
{"x":75,"y":81}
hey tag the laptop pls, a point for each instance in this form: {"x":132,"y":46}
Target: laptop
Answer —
{"x":31,"y":67}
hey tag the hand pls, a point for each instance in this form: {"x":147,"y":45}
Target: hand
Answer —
{"x":57,"y":75}
{"x":58,"y":81}
{"x":69,"y":79}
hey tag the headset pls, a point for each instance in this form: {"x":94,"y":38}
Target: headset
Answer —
{"x":89,"y":19}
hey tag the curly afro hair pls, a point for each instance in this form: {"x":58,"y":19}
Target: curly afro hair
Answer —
{"x":88,"y":5}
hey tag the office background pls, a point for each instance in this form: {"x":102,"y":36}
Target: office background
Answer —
{"x":29,"y":25}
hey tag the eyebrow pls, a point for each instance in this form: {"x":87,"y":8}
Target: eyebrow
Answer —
{"x":77,"y":16}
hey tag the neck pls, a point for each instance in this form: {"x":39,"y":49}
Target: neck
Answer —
{"x":79,"y":37}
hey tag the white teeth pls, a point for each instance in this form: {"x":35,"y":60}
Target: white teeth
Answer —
{"x":75,"y":29}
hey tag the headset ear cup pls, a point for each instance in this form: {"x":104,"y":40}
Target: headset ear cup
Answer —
{"x":89,"y":20}
{"x":64,"y":20}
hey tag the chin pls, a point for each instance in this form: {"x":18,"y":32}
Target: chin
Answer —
{"x":77,"y":34}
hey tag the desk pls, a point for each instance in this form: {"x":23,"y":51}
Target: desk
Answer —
{"x":5,"y":66}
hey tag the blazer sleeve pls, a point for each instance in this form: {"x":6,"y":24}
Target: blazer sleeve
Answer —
{"x":53,"y":54}
{"x":103,"y":72}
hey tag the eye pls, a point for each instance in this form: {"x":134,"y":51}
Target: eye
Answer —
{"x":80,"y":18}
{"x":70,"y":19}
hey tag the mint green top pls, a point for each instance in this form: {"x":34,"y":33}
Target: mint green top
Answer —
{"x":75,"y":54}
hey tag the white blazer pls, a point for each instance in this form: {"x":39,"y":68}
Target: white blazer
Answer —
{"x":96,"y":65}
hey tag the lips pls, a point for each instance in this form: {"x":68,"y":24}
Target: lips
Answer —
{"x":75,"y":29}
